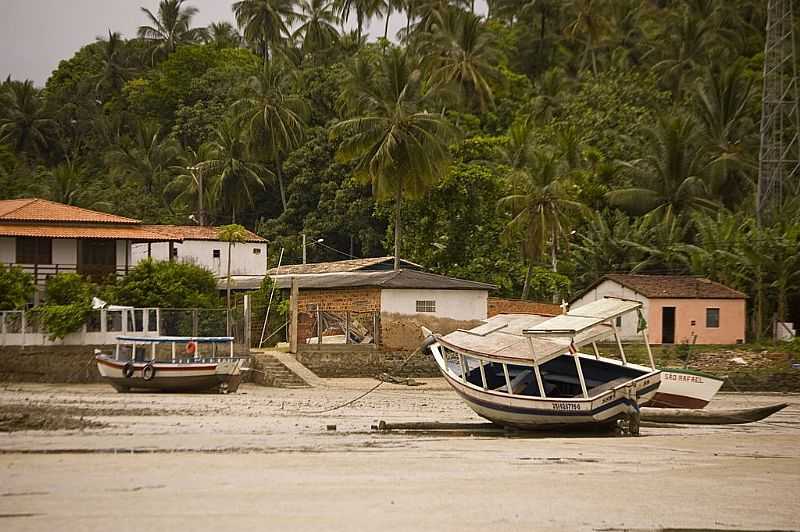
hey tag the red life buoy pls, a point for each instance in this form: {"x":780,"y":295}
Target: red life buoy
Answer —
{"x":191,"y":347}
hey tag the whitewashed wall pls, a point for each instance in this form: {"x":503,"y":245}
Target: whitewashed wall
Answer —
{"x":453,"y":304}
{"x":610,"y":288}
{"x":244,"y":260}
{"x":8,"y":249}
{"x":65,"y":251}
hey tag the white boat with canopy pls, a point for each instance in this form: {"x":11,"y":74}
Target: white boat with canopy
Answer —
{"x":172,"y":364}
{"x":525,"y":371}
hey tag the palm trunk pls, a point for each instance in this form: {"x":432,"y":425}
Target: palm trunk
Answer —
{"x":228,"y":288}
{"x":279,"y":173}
{"x":759,"y":314}
{"x":386,"y":24}
{"x":554,"y":260}
{"x":398,"y":202}
{"x":526,"y":287}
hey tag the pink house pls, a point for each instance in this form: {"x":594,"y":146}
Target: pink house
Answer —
{"x":677,"y":308}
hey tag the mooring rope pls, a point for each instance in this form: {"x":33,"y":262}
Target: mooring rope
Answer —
{"x":381,"y":383}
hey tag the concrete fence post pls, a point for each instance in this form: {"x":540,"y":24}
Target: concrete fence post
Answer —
{"x":246,"y":321}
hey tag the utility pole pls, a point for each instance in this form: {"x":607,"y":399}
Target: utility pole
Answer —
{"x":304,"y":248}
{"x":779,"y":155}
{"x":198,"y":177}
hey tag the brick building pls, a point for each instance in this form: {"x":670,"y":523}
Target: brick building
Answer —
{"x":388,"y":306}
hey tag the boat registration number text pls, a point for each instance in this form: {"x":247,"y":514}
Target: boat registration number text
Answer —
{"x":566,"y":406}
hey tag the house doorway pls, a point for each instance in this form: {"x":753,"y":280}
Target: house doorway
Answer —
{"x":97,"y":259}
{"x":667,"y":325}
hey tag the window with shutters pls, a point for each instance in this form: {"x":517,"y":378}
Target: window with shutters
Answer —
{"x":34,"y":250}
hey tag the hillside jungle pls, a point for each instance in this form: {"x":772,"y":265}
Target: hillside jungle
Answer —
{"x":537,"y":147}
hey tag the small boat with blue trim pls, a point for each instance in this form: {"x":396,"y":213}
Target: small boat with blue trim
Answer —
{"x":525,"y":371}
{"x":172,"y":364}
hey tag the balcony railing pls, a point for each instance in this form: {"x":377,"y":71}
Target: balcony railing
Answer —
{"x":42,"y":272}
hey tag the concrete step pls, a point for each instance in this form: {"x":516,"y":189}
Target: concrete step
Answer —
{"x":270,"y":371}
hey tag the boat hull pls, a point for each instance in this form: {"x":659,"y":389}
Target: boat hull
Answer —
{"x":535,"y":413}
{"x":223,"y":376}
{"x":684,"y":389}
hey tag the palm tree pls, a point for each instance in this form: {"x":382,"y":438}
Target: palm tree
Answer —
{"x":189,"y":183}
{"x":223,"y":35}
{"x":364,"y":9}
{"x":589,"y":26}
{"x":115,"y":72}
{"x":170,"y":27}
{"x":264,"y":23}
{"x":147,"y":157}
{"x":671,"y":175}
{"x":684,"y":46}
{"x":318,"y":28}
{"x":603,"y":245}
{"x":65,"y":182}
{"x":232,"y":234}
{"x":722,"y":101}
{"x":233,"y":176}
{"x":460,"y":51}
{"x":394,"y":143}
{"x":541,"y":211}
{"x":274,"y":115}
{"x":25,"y":123}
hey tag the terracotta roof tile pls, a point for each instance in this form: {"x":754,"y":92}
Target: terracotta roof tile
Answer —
{"x":340,"y":266}
{"x":675,"y":286}
{"x":196,"y":232}
{"x":119,"y":231}
{"x":40,"y":210}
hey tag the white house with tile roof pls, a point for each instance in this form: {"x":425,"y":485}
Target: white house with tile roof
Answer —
{"x":201,"y":245}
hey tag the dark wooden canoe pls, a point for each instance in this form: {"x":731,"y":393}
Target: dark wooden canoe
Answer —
{"x":708,"y":417}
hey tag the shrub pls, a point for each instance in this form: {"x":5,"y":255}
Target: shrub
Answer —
{"x":68,"y":301}
{"x":16,"y":288}
{"x":166,"y":285}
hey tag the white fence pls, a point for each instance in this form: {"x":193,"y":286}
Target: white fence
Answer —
{"x":21,"y":328}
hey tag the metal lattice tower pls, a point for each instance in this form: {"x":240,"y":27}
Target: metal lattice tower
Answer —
{"x":779,"y":156}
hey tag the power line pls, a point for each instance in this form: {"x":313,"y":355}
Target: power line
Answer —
{"x":337,"y":251}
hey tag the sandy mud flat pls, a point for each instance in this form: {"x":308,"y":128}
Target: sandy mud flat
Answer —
{"x":262,"y":459}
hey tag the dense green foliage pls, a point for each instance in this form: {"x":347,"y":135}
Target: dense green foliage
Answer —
{"x":581,"y":136}
{"x":67,"y":303}
{"x":166,"y":285}
{"x":16,"y":288}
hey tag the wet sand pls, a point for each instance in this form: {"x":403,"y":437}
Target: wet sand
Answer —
{"x":260,"y":460}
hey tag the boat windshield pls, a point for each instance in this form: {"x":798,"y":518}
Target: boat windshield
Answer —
{"x":173,"y":348}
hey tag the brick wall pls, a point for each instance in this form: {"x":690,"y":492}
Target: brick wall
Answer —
{"x":330,"y":364}
{"x":498,"y":305}
{"x":338,"y":300}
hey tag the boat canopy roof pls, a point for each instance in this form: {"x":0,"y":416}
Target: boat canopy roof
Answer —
{"x":176,"y":339}
{"x":585,"y":317}
{"x":525,"y":338}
